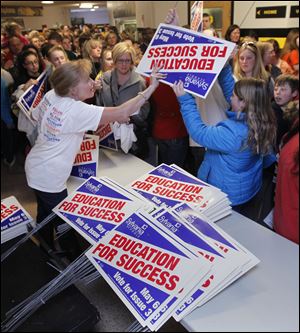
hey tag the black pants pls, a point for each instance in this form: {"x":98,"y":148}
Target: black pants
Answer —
{"x":262,"y":203}
{"x":45,"y":203}
{"x":8,"y":142}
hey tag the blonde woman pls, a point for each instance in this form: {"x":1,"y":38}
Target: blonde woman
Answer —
{"x":119,"y":85}
{"x":57,"y":56}
{"x":236,"y":146}
{"x":92,"y":50}
{"x":248,"y":63}
{"x":107,"y":60}
{"x":267,"y":54}
{"x":35,"y":39}
{"x":62,"y":119}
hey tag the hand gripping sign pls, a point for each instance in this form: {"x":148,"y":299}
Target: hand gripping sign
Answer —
{"x":33,"y":95}
{"x":188,"y":56}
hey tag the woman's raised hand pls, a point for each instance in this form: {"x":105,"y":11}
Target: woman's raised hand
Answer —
{"x":156,"y":76}
{"x":172,"y":17}
{"x":178,"y":88}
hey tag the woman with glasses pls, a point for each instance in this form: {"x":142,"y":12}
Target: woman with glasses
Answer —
{"x":119,"y":85}
{"x":28,"y":70}
{"x":284,"y":67}
{"x":267,"y":53}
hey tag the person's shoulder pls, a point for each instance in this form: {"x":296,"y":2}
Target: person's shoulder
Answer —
{"x":107,"y":76}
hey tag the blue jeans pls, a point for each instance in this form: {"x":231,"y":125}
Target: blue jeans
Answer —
{"x":173,"y":151}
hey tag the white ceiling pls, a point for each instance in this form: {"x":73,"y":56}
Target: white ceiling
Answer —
{"x":56,"y":3}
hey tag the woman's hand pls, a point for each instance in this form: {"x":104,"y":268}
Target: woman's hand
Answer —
{"x":98,"y":84}
{"x":156,"y":76}
{"x":29,"y":83}
{"x":178,"y":88}
{"x":172,"y":17}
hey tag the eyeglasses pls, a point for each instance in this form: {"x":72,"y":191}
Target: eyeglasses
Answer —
{"x":124,"y":61}
{"x":32,"y":63}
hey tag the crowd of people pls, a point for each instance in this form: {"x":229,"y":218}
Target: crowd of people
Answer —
{"x":245,"y":134}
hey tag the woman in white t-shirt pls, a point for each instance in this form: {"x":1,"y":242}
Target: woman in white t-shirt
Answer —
{"x":62,"y":119}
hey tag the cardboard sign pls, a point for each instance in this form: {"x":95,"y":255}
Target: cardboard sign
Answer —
{"x":196,"y":16}
{"x":107,"y":137}
{"x":145,"y":267}
{"x":95,"y":208}
{"x":167,"y":187}
{"x":14,"y":219}
{"x":86,"y":160}
{"x":33,"y":95}
{"x":188,"y":56}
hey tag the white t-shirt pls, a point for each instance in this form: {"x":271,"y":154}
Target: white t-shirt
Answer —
{"x":62,"y":122}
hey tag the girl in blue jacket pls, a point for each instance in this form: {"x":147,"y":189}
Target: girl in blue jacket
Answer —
{"x":239,"y":147}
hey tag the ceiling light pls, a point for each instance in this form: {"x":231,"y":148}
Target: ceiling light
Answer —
{"x":47,"y":2}
{"x":86,"y":5}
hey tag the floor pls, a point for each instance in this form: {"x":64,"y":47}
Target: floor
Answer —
{"x":115,"y":317}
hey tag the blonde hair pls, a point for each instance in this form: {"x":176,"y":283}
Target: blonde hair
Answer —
{"x":259,"y":71}
{"x":68,"y":75}
{"x":33,"y":34}
{"x":57,"y":48}
{"x":87,"y":47}
{"x":260,"y":117}
{"x":121,"y":49}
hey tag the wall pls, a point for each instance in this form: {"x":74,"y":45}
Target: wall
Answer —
{"x":99,"y":16}
{"x":244,"y":15}
{"x":51,"y":16}
{"x":160,"y":10}
{"x":144,"y":14}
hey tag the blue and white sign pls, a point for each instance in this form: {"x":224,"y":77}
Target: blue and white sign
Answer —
{"x":33,"y":95}
{"x":188,"y":56}
{"x":107,"y":137}
{"x":145,"y":267}
{"x":14,"y":219}
{"x":95,"y":208}
{"x":86,"y":160}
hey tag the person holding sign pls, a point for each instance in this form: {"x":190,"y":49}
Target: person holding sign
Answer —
{"x":119,"y":85}
{"x":238,"y":147}
{"x":62,"y":119}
